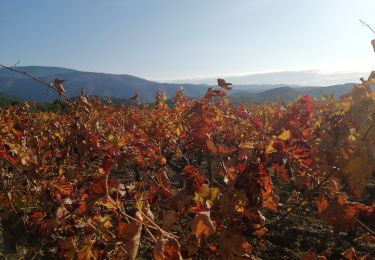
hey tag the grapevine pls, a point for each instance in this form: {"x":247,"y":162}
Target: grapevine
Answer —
{"x":192,"y":180}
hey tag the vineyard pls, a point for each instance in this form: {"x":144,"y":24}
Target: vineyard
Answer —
{"x":202,"y":179}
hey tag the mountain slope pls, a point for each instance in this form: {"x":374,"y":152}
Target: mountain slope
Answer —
{"x":99,"y":84}
{"x":272,"y":95}
{"x":289,"y":93}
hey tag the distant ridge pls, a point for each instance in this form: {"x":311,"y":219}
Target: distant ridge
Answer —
{"x":98,"y":84}
{"x":123,"y":86}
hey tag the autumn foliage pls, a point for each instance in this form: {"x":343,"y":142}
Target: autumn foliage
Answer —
{"x":192,"y":179}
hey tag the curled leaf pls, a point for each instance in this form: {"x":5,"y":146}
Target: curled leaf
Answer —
{"x":223,"y":84}
{"x":57,"y":83}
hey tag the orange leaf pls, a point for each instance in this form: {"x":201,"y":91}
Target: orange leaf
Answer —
{"x":341,"y":214}
{"x":99,"y":186}
{"x":312,"y":255}
{"x":350,"y":254}
{"x":225,"y":151}
{"x":162,"y":178}
{"x":367,"y":238}
{"x":63,"y":187}
{"x":210,"y":146}
{"x":167,"y":248}
{"x":233,"y":245}
{"x":321,"y":203}
{"x":202,"y":225}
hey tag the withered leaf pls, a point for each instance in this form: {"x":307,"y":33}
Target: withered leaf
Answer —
{"x":59,"y":86}
{"x":223,"y":84}
{"x":233,"y":245}
{"x":341,"y":214}
{"x":202,"y":225}
{"x":167,"y":248}
{"x":169,"y":218}
{"x":130,"y":234}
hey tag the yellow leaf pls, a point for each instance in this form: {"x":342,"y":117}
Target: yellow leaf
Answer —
{"x":285,"y":135}
{"x":270,"y":148}
{"x":111,"y":137}
{"x":140,"y":203}
{"x":178,"y":132}
{"x":106,"y":221}
{"x":247,"y":145}
{"x":56,"y":134}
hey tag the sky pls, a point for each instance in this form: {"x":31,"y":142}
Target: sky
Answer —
{"x":182,"y":39}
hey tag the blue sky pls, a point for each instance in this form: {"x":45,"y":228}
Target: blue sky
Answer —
{"x":159,"y":39}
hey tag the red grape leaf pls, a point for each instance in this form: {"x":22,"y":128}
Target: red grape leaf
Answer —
{"x":98,"y":188}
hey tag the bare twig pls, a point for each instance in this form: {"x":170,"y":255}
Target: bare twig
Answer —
{"x":365,"y":227}
{"x":49,"y":85}
{"x":365,"y":24}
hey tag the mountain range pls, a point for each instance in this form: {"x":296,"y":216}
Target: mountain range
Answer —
{"x":287,"y":77}
{"x":124,"y":86}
